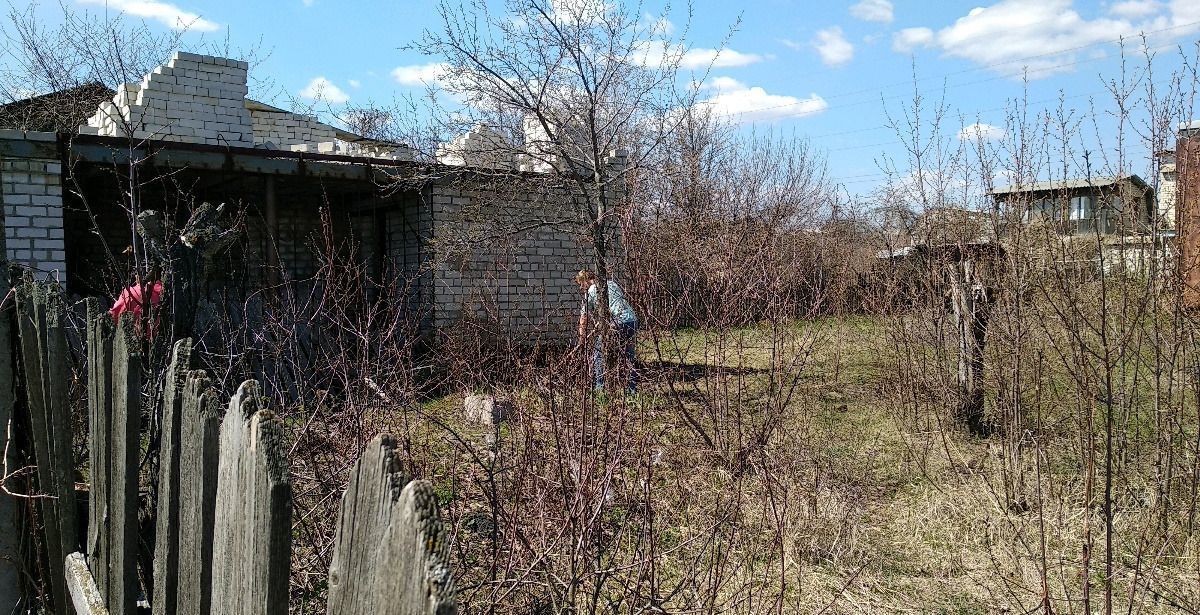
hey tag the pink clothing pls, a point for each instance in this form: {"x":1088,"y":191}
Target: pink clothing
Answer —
{"x":131,"y":301}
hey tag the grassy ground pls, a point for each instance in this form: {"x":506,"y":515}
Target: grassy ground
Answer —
{"x":866,"y":498}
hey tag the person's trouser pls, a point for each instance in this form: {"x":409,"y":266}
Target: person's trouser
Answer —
{"x":625,"y":338}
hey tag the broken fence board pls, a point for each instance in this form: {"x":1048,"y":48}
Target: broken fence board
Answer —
{"x":10,"y":517}
{"x":125,"y":447}
{"x":390,"y":554}
{"x":199,"y":438}
{"x":166,"y":524}
{"x":44,"y":353}
{"x":253,"y":520}
{"x":99,"y":364}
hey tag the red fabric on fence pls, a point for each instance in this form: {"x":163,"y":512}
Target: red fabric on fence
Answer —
{"x":131,"y":300}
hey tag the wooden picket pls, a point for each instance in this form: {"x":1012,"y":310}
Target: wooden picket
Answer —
{"x":390,"y":553}
{"x":224,"y":517}
{"x":43,"y":345}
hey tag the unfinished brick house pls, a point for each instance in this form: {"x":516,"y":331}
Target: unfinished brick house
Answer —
{"x":476,"y":238}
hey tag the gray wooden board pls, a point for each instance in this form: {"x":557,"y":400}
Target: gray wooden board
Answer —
{"x":390,"y":554}
{"x":123,"y":487}
{"x":166,"y":523}
{"x":253,"y":519}
{"x":56,"y":375}
{"x":32,"y":322}
{"x":100,"y":350}
{"x":10,"y":585}
{"x":199,"y":435}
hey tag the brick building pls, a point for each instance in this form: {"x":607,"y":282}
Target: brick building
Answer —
{"x":1187,"y":210}
{"x":470,"y":238}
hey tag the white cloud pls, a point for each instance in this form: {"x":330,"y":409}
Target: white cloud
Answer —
{"x":733,"y":99}
{"x":873,"y":10}
{"x":321,"y":88}
{"x":418,"y":75}
{"x":1045,"y":37}
{"x":718,"y":58}
{"x":908,"y":39}
{"x":1015,"y":29}
{"x":656,"y":53}
{"x":1133,"y":9}
{"x":660,"y":26}
{"x":354,"y":83}
{"x":167,"y":14}
{"x":790,"y":44}
{"x":981,"y":132}
{"x":835,"y":50}
{"x":1184,"y":12}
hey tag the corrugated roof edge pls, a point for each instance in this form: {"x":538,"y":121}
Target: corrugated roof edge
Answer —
{"x":1070,"y":184}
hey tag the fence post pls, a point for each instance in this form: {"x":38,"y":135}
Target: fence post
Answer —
{"x":253,"y":519}
{"x":390,"y":554}
{"x":44,"y":350}
{"x":10,"y":568}
{"x":199,"y":435}
{"x":99,"y":364}
{"x":125,"y":448}
{"x":971,"y":304}
{"x":166,"y":523}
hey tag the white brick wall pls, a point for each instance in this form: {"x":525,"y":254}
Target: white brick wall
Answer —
{"x":524,"y":280}
{"x":31,"y":190}
{"x":193,"y":98}
{"x":202,"y":99}
{"x":481,"y":147}
{"x":1166,"y":195}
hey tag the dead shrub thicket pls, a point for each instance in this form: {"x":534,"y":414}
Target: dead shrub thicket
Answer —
{"x":1090,"y":364}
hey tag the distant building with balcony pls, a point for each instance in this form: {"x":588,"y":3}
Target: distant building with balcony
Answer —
{"x":1119,"y":215}
{"x":1104,"y":205}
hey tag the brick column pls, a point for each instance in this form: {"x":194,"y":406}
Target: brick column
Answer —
{"x":31,"y":181}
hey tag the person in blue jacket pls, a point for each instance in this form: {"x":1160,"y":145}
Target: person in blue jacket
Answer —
{"x":624,"y":329}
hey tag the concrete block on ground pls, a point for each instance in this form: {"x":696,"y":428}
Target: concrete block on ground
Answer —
{"x":487,"y":409}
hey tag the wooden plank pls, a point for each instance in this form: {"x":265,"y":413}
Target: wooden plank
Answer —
{"x":253,"y":519}
{"x":56,"y":373}
{"x":32,"y":323}
{"x":85,"y":596}
{"x":391,"y":554}
{"x":166,"y":529}
{"x":10,"y":517}
{"x":199,"y":438}
{"x":123,"y":487}
{"x":99,"y":364}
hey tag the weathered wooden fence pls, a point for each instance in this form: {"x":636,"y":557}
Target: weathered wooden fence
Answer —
{"x":223,"y":514}
{"x":43,"y":348}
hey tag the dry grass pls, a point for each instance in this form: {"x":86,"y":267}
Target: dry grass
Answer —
{"x":862,"y":501}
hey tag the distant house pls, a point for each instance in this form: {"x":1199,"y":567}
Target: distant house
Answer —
{"x":1118,"y":215}
{"x":1119,"y":206}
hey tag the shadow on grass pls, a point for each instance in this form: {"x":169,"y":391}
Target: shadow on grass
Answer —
{"x":693,"y":372}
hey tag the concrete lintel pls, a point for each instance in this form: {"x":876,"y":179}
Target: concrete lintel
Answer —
{"x":227,"y":161}
{"x":21,"y":144}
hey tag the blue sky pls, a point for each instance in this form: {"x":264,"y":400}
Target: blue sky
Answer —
{"x":826,"y":71}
